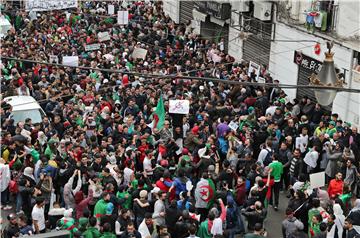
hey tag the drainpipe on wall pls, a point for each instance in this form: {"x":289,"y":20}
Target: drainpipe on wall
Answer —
{"x":350,"y":84}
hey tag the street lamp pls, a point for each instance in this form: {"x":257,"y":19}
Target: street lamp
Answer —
{"x":326,"y":77}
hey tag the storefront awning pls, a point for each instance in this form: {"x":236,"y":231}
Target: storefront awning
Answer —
{"x":198,"y":15}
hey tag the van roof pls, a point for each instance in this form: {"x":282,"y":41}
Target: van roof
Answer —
{"x":21,"y":103}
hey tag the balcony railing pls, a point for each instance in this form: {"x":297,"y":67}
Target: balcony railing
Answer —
{"x":322,"y":18}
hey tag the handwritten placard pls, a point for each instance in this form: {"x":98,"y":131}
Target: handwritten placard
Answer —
{"x":139,"y":53}
{"x":92,"y":47}
{"x":103,"y":36}
{"x":233,"y":126}
{"x":123,"y":17}
{"x":254,"y":67}
{"x":179,"y":106}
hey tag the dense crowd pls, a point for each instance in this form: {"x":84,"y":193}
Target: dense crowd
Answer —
{"x":109,"y":160}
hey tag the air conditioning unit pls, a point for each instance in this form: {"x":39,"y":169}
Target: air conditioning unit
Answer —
{"x":244,"y":6}
{"x":262,"y":10}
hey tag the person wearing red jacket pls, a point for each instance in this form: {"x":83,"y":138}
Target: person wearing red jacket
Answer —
{"x":336,"y":186}
{"x":240,"y":191}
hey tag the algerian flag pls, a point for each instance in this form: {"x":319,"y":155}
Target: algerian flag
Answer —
{"x":159,"y":115}
{"x":34,"y":153}
{"x":205,"y":192}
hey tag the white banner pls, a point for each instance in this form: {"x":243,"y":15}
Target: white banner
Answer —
{"x":317,"y":180}
{"x":49,"y":5}
{"x":254,"y":67}
{"x":179,"y":106}
{"x":103,"y":36}
{"x":71,"y":60}
{"x":92,"y":47}
{"x":139,"y":53}
{"x":123,"y":17}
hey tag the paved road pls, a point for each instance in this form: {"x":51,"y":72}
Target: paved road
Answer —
{"x":274,"y":219}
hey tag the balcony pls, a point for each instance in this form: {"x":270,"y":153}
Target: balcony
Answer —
{"x":316,"y":17}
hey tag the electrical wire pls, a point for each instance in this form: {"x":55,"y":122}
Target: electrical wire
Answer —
{"x":207,"y":79}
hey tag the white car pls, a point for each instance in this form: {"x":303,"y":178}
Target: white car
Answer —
{"x":24,"y":107}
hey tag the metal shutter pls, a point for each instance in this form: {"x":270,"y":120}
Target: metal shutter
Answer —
{"x":257,"y":47}
{"x":215,"y":32}
{"x":303,"y":79}
{"x":186,"y":8}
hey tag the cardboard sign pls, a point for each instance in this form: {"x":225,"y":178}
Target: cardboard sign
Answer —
{"x":92,"y":47}
{"x":53,"y":59}
{"x":317,"y":180}
{"x":254,"y":67}
{"x":139,"y":53}
{"x":49,"y":5}
{"x":123,"y":17}
{"x":111,"y":9}
{"x":124,"y":4}
{"x":103,"y":36}
{"x":71,"y":60}
{"x":179,"y":106}
{"x":233,"y":126}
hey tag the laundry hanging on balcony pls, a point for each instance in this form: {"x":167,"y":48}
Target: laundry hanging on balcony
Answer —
{"x":316,"y":19}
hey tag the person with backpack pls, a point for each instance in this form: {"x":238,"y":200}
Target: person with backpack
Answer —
{"x":265,"y":156}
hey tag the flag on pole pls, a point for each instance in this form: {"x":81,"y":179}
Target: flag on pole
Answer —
{"x":34,"y":153}
{"x":159,"y":114}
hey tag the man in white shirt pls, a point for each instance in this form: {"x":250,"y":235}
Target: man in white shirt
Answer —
{"x":159,"y":209}
{"x":302,"y":140}
{"x":147,"y":163}
{"x":38,"y":216}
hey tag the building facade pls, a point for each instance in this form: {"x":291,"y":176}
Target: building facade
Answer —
{"x":289,"y":39}
{"x":297,"y":50}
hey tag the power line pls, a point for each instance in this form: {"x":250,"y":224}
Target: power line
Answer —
{"x":207,"y":79}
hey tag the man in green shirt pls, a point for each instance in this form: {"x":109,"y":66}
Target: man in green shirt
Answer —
{"x":92,"y":231}
{"x":276,"y":169}
{"x":257,"y":233}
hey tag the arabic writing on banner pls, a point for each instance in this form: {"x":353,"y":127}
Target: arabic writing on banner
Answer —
{"x":48,"y":5}
{"x":92,"y":47}
{"x":179,"y":106}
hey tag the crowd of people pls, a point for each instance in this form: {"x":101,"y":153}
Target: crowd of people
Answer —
{"x":105,"y":162}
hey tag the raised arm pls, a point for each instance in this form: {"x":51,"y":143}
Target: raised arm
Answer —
{"x":223,"y":210}
{"x":78,"y":185}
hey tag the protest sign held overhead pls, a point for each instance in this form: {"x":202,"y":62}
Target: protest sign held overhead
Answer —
{"x":179,"y":106}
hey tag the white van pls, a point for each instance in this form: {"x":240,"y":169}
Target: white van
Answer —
{"x":24,"y":107}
